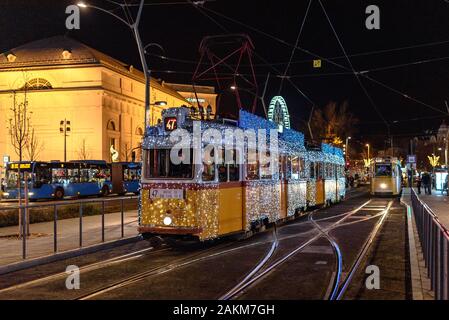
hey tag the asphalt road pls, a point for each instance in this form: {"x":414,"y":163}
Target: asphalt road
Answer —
{"x":292,"y":261}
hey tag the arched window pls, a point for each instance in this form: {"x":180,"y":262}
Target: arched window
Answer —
{"x":111,"y":125}
{"x":139,"y":131}
{"x":38,"y":84}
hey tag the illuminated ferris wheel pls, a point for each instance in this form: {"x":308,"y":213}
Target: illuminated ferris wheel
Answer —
{"x":278,"y":112}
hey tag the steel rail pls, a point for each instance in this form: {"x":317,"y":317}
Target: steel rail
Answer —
{"x":87,"y":268}
{"x":344,"y":286}
{"x":243,"y":285}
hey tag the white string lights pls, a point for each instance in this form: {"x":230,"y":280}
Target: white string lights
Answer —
{"x":199,"y":208}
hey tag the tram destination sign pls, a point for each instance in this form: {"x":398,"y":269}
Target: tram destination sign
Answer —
{"x":167,"y":194}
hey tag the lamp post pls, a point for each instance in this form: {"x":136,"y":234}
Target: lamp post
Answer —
{"x":135,"y":29}
{"x":347,"y":148}
{"x":64,"y":127}
{"x":369,"y":159}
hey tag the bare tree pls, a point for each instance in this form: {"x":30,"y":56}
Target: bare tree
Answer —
{"x":19,"y":131}
{"x":333,"y":123}
{"x":83,"y":152}
{"x":19,"y":124}
{"x":34,"y":146}
{"x":126,"y":152}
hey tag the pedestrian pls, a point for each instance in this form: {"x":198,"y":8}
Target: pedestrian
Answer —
{"x":446,"y":185}
{"x":418,"y":183}
{"x":427,"y":183}
{"x":3,"y":184}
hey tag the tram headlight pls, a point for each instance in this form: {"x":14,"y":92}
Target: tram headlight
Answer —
{"x":168,"y":221}
{"x":383,"y":186}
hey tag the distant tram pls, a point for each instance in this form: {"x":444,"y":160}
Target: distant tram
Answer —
{"x":204,"y":200}
{"x":386,"y":177}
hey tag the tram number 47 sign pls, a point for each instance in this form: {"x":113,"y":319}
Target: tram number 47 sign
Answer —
{"x":167,"y":194}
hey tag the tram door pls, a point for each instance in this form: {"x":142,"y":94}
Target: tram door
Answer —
{"x":283,"y":167}
{"x":230,"y":197}
{"x":319,"y":174}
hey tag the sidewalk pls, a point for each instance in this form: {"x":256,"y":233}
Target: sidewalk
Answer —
{"x":40,"y":243}
{"x":439,"y":203}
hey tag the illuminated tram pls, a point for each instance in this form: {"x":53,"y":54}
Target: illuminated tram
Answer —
{"x":207,"y":199}
{"x":386,"y":177}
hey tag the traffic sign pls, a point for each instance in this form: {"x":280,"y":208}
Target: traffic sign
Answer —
{"x":411,"y":159}
{"x":6,"y":159}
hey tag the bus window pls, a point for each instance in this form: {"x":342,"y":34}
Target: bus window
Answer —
{"x":131,"y":174}
{"x":43,"y":174}
{"x":252,"y":168}
{"x":58,"y":175}
{"x":73,"y":175}
{"x":383,"y":170}
{"x":12,"y":174}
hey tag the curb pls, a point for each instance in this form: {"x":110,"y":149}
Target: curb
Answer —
{"x":417,"y":289}
{"x":13,"y":267}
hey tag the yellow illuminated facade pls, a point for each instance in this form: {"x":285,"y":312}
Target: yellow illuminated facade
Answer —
{"x":102,"y":98}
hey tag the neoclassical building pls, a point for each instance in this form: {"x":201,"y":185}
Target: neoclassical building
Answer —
{"x":103,"y":99}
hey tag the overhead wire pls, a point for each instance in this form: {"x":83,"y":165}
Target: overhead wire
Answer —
{"x":319,"y":57}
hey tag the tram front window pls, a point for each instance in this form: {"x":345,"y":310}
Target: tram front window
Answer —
{"x":383,"y":170}
{"x":159,"y":165}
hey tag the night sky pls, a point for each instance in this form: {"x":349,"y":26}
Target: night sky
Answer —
{"x":179,"y":28}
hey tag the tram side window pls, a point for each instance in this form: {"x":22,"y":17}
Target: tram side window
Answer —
{"x":302,"y":168}
{"x":266,"y":170}
{"x":159,"y":165}
{"x":312,"y":170}
{"x":319,"y":170}
{"x":252,"y":167}
{"x":209,"y":166}
{"x":295,"y":168}
{"x":229,"y":171}
{"x":234,"y":169}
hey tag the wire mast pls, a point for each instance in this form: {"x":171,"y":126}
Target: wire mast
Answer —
{"x":222,"y":55}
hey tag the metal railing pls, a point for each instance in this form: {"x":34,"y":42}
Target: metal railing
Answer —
{"x":24,"y":230}
{"x":434,"y":238}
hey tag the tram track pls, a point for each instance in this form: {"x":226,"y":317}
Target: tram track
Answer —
{"x":87,"y":268}
{"x":257,"y":274}
{"x":262,"y":269}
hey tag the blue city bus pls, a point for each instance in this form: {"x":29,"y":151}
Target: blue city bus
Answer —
{"x":87,"y":178}
{"x":39,"y":180}
{"x":125,"y":177}
{"x":56,"y":180}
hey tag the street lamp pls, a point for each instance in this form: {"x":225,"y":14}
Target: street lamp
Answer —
{"x":135,"y":29}
{"x":64,"y":128}
{"x":347,"y":148}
